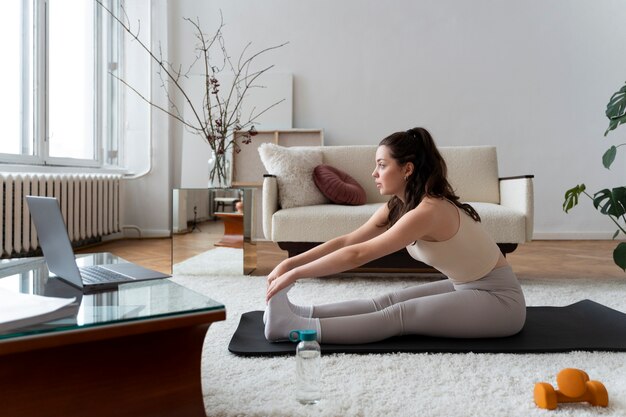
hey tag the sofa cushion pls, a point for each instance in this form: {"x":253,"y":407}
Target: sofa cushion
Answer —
{"x":319,"y":223}
{"x":504,"y":224}
{"x":473,"y":172}
{"x":337,"y":186}
{"x":293,"y":168}
{"x":324,"y":222}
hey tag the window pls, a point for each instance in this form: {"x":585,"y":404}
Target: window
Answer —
{"x":16,"y":78}
{"x":71,"y":79}
{"x":60,"y":102}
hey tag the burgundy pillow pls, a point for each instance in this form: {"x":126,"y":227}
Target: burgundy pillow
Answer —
{"x":338,"y":186}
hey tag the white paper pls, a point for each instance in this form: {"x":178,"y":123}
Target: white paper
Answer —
{"x":17,"y":309}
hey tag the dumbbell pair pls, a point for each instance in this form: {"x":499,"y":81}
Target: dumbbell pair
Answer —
{"x":574,"y":386}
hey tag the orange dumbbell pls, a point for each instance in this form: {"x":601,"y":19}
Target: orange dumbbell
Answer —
{"x":574,"y":387}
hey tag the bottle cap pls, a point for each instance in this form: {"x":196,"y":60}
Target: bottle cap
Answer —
{"x":304,"y":335}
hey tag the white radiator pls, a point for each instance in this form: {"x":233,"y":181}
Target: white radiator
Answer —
{"x":89,"y":203}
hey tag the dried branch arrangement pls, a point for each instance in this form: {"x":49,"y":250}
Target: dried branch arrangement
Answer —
{"x":219,"y":114}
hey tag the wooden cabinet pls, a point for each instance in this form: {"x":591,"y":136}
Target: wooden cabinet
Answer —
{"x":247,"y":168}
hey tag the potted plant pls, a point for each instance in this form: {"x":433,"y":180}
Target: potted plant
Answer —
{"x":218,"y":115}
{"x":610,"y":202}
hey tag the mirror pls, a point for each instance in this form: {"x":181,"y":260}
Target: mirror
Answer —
{"x":211,"y":231}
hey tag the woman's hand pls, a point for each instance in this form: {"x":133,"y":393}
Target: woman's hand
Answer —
{"x":278,"y":283}
{"x":279,"y":270}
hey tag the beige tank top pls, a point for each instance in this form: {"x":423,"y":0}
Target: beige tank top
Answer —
{"x":467,"y":256}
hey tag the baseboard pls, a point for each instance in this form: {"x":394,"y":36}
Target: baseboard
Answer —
{"x":113,"y":236}
{"x":136,"y":232}
{"x":573,"y":236}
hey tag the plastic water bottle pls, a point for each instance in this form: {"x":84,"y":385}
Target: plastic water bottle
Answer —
{"x":308,"y":367}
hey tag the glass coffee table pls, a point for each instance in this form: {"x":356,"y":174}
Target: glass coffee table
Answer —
{"x":132,"y":351}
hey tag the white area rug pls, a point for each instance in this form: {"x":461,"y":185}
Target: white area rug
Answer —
{"x":217,"y":261}
{"x":485,"y":385}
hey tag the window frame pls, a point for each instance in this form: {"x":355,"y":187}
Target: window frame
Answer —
{"x":35,"y":83}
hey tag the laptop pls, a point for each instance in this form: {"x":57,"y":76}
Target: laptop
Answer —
{"x":57,"y":250}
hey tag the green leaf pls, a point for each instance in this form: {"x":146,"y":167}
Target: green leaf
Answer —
{"x":616,"y":110}
{"x":615,"y":234}
{"x":571,"y":197}
{"x":609,"y":157}
{"x":619,"y":256}
{"x":611,"y":202}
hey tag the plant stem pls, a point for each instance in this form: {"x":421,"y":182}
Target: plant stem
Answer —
{"x":160,"y":63}
{"x":155,"y":105}
{"x":213,"y":118}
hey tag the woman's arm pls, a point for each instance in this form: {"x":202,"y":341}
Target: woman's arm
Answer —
{"x":409,"y":228}
{"x":367,"y":231}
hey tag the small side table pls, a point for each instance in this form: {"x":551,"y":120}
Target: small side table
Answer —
{"x":233,"y":230}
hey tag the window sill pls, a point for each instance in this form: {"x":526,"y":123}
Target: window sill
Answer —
{"x":7,"y":167}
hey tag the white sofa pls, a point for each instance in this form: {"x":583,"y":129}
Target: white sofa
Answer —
{"x":504,"y":204}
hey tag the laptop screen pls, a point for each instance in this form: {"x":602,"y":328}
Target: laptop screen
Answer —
{"x":53,"y":238}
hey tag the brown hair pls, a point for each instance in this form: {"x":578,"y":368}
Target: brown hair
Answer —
{"x":429,"y":178}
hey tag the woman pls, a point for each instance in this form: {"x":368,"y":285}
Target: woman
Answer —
{"x":481,"y":296}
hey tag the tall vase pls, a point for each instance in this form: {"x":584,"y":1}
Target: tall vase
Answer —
{"x":219,"y":171}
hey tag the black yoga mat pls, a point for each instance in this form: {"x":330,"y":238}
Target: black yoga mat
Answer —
{"x":585,"y":325}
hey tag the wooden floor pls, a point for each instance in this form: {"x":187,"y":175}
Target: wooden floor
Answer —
{"x":573,"y":259}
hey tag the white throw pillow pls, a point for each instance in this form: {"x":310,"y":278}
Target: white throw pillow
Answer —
{"x":293,"y":168}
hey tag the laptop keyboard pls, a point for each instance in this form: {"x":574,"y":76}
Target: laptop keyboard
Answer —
{"x":96,"y":275}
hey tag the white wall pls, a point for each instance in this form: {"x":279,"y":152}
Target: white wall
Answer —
{"x":531,"y":77}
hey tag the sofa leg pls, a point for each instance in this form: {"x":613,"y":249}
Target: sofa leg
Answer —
{"x":296,"y":248}
{"x":507,"y":248}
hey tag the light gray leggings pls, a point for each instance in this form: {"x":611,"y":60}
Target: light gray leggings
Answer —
{"x":492,"y":306}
